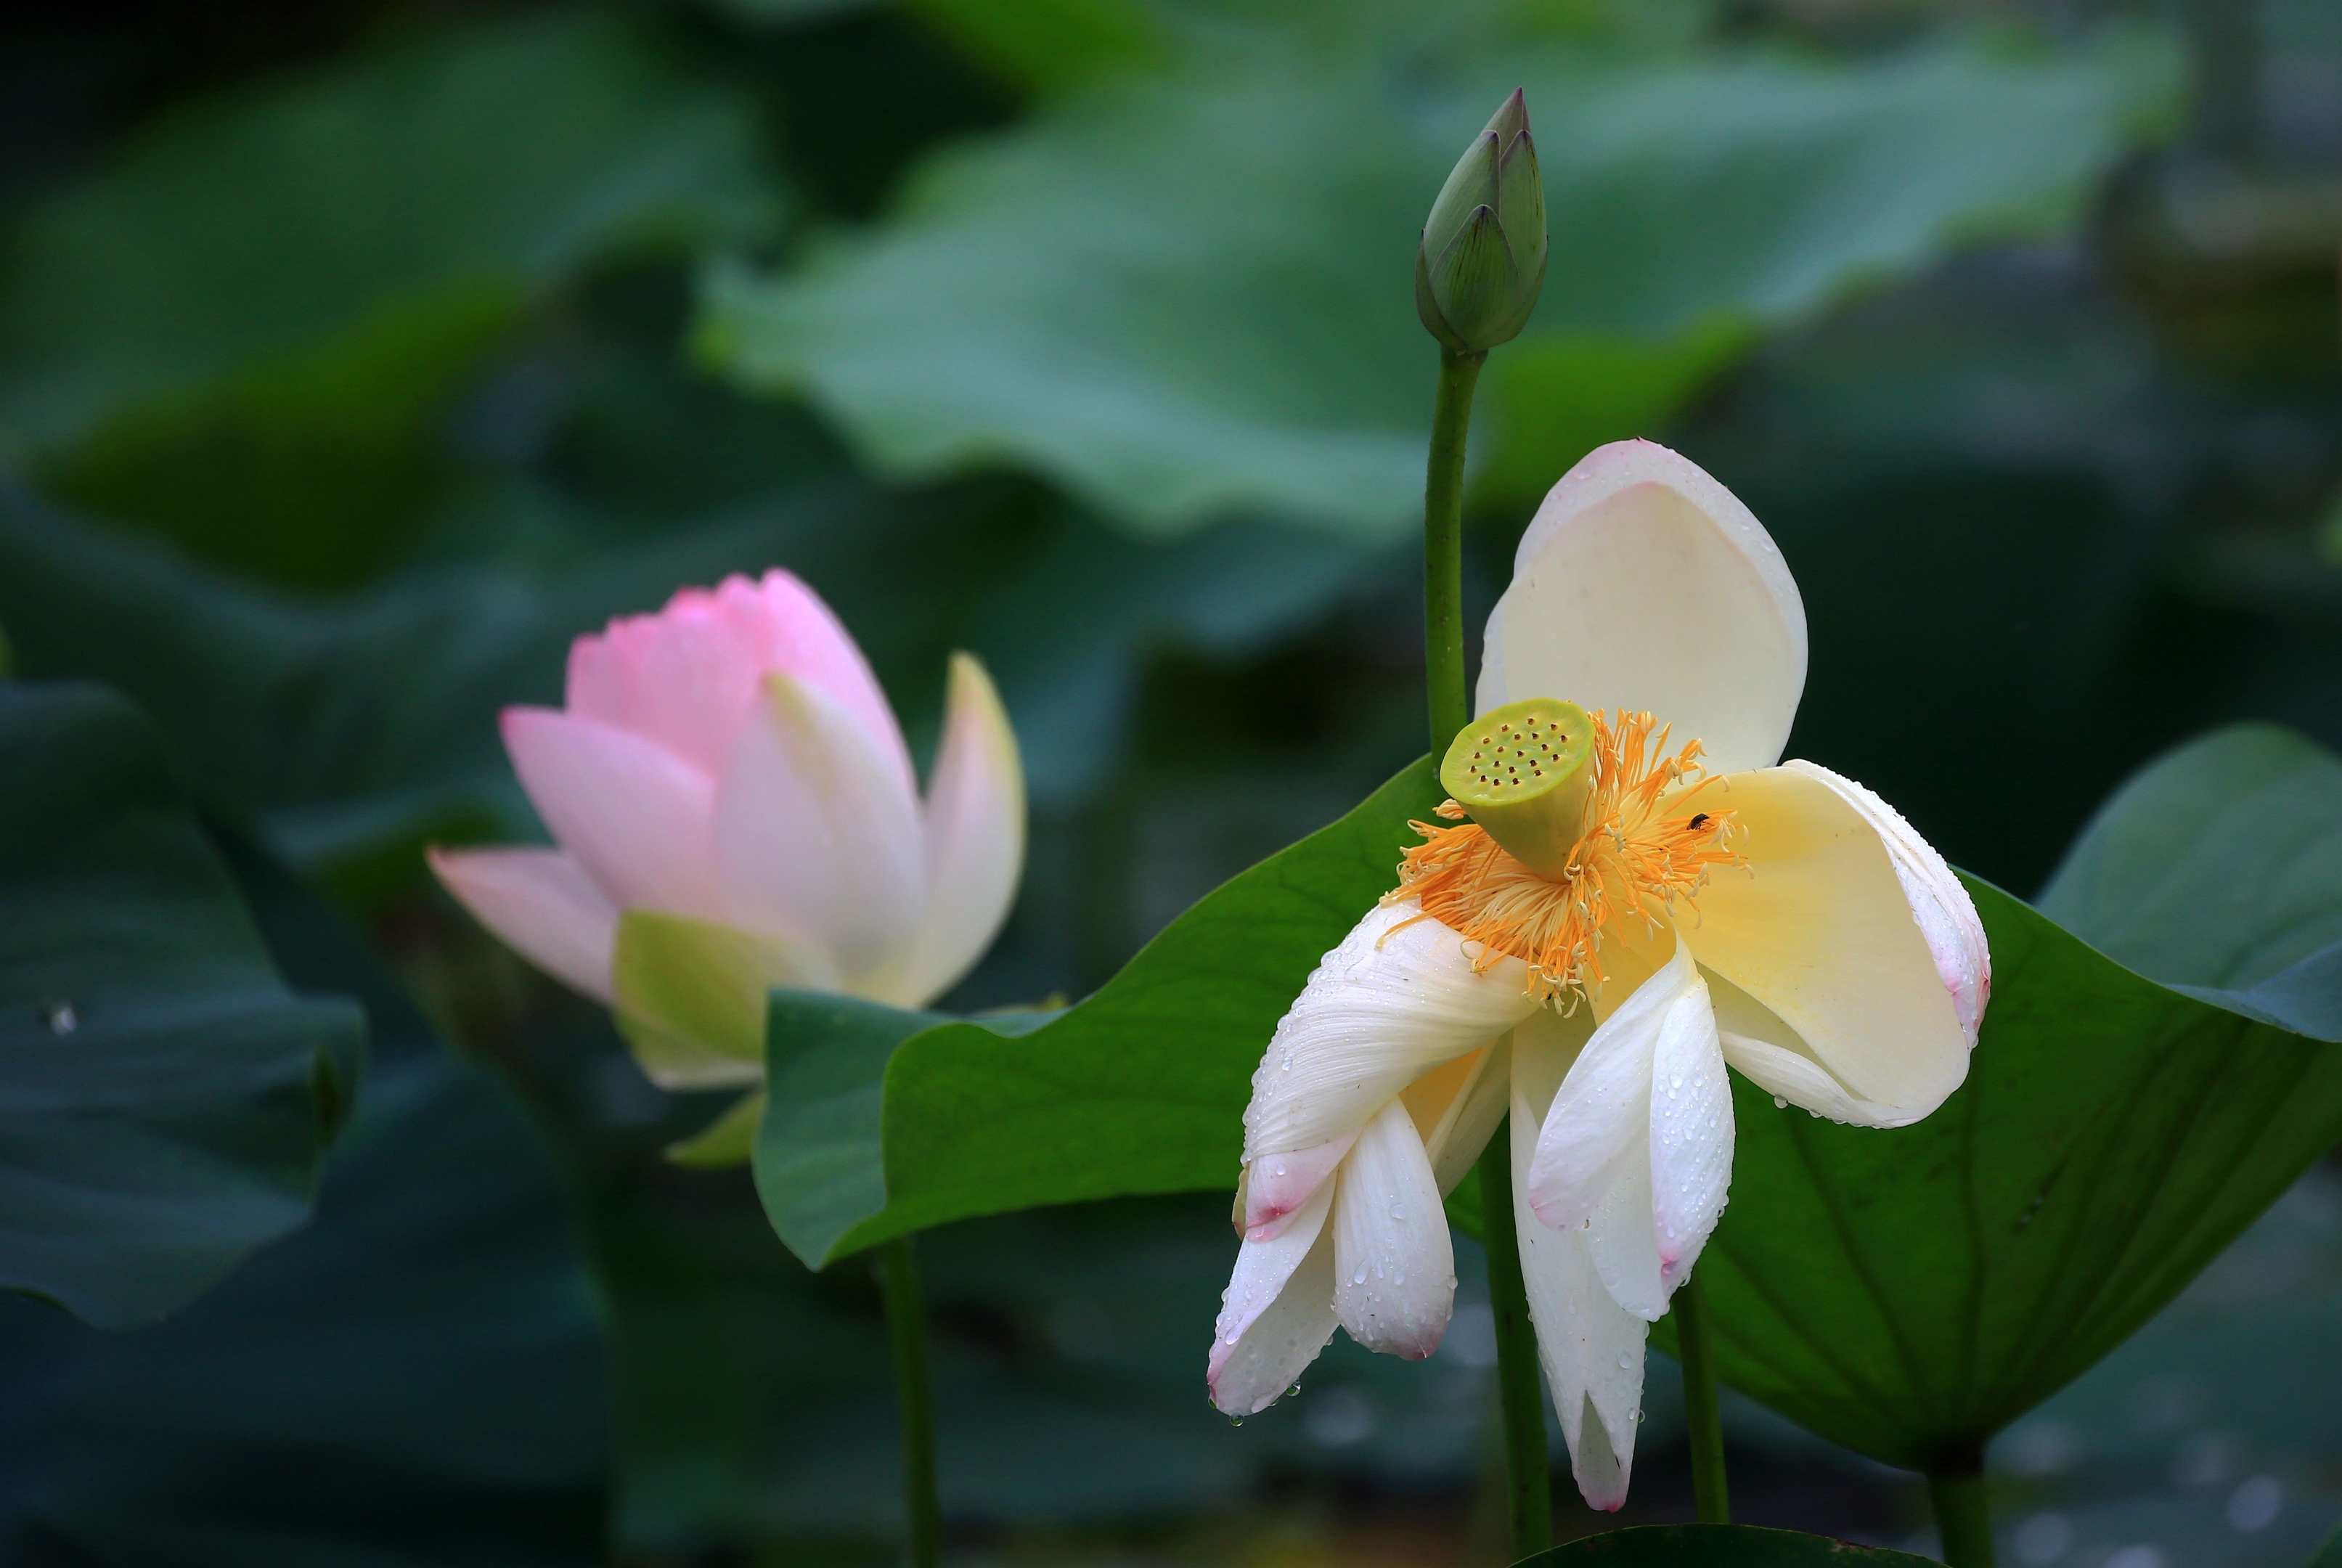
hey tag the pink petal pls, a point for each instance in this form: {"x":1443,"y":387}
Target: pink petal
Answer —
{"x":541,"y":904}
{"x":689,"y":675}
{"x":631,"y":813}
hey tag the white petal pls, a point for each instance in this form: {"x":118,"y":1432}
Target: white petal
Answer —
{"x":1945,"y":915}
{"x":1394,"y":1266}
{"x":1817,"y":931}
{"x":1691,"y":1133}
{"x":1642,"y":584}
{"x":1600,"y":1121}
{"x":1277,"y":1314}
{"x":1395,"y":999}
{"x":541,"y":904}
{"x":1590,"y":1347}
{"x":818,"y":840}
{"x":974,"y":835}
{"x":632,"y":814}
{"x":1621,"y":1241}
{"x":1277,"y":1187}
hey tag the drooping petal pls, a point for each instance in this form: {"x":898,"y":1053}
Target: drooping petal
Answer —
{"x":1395,"y":999}
{"x":1279,"y":1187}
{"x":1590,"y":1347}
{"x":689,"y":675}
{"x":1642,"y":583}
{"x":1599,"y":1125}
{"x":632,"y":813}
{"x":974,"y":835}
{"x":1277,"y":1314}
{"x":818,"y":840}
{"x":1691,"y":1133}
{"x":540,"y":903}
{"x":1816,"y":930}
{"x":1394,"y":1265}
{"x":1946,"y":914}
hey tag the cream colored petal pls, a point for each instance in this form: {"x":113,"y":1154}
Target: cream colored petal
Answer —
{"x":1457,"y":1108}
{"x":1277,"y":1314}
{"x":1945,"y":915}
{"x":1818,"y":930}
{"x":1642,"y":584}
{"x":974,"y":836}
{"x":1591,"y":1349}
{"x":1770,"y":1055}
{"x":540,"y":903}
{"x":1398,"y":997}
{"x":1394,"y":1265}
{"x":819,"y":841}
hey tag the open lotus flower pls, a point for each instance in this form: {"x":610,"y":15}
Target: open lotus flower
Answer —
{"x":1640,"y":898}
{"x":736,"y":809}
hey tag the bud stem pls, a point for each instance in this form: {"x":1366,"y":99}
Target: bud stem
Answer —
{"x":1703,"y":1414}
{"x":1443,"y":549}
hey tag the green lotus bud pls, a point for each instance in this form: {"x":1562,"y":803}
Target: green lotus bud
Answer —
{"x":1481,"y":260}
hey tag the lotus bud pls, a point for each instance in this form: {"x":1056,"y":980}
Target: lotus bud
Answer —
{"x":1481,"y":260}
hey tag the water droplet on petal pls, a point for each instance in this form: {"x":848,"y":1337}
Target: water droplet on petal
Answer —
{"x":1780,"y":1101}
{"x":1280,"y":1167}
{"x":1625,"y":1364}
{"x":1359,"y":1278}
{"x":1398,"y":1211}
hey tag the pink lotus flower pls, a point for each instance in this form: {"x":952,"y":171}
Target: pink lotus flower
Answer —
{"x":734,"y":808}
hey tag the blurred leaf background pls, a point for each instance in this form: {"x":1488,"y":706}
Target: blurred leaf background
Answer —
{"x":355,"y":356}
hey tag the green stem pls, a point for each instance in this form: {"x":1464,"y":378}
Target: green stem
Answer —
{"x":1528,"y":1481}
{"x":907,"y":1329}
{"x":1443,"y":551}
{"x":1962,"y":1516}
{"x":1703,"y":1416}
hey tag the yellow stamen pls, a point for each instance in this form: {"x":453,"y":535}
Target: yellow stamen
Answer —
{"x":1645,"y":848}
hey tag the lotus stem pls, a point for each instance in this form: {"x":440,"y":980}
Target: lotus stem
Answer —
{"x":907,"y":1329}
{"x":1963,"y":1515}
{"x":1443,"y":555}
{"x":1528,"y":1480}
{"x":1703,"y":1413}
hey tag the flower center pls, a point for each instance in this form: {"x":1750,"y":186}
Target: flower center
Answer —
{"x":1580,"y":821}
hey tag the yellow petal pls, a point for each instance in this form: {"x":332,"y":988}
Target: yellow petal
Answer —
{"x":1817,"y":932}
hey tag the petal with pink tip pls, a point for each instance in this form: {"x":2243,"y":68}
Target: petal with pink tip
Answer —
{"x":539,"y":904}
{"x":1394,"y":1265}
{"x":631,"y":813}
{"x":689,"y":675}
{"x":818,"y":840}
{"x":974,"y":835}
{"x":1642,"y":583}
{"x":1277,"y":1314}
{"x":1691,"y":1134}
{"x":1279,"y":1187}
{"x":1590,"y":1347}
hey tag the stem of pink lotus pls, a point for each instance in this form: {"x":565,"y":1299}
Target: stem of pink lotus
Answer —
{"x":906,"y":1330}
{"x":1703,"y":1414}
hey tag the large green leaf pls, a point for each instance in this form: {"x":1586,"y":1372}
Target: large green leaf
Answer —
{"x":1909,"y":1293}
{"x":879,"y":1131}
{"x":248,"y":331}
{"x":414,"y":1379}
{"x":1185,"y":293}
{"x":1717,"y":1547}
{"x":164,"y":1099}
